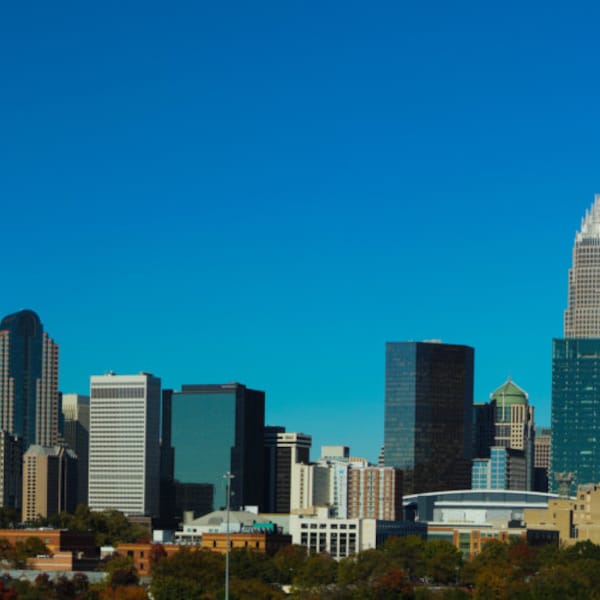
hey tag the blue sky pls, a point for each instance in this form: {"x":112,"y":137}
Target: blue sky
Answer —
{"x":267,"y":192}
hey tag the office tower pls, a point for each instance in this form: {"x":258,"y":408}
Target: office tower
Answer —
{"x":575,"y":412}
{"x":514,"y":426}
{"x":338,"y":471}
{"x":582,"y":316}
{"x":28,"y":380}
{"x":124,"y":457}
{"x":506,"y":469}
{"x":575,"y":452}
{"x":11,"y":470}
{"x":543,"y":441}
{"x":192,"y":497}
{"x":76,"y":427}
{"x":505,"y":423}
{"x":219,"y":428}
{"x":169,"y":516}
{"x":483,"y":429}
{"x":428,"y":414}
{"x":282,"y":449}
{"x":375,"y":493}
{"x":49,"y":481}
{"x":310,"y":486}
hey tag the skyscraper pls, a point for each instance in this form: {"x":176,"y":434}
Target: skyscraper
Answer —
{"x":76,"y":415}
{"x":428,"y":414}
{"x":49,"y":482}
{"x":219,"y":428}
{"x":582,"y":316}
{"x":575,"y":450}
{"x":507,"y":423}
{"x":282,"y":450}
{"x":28,"y":380}
{"x":124,"y":457}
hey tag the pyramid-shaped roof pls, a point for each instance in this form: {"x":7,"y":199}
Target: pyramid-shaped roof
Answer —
{"x":510,"y":393}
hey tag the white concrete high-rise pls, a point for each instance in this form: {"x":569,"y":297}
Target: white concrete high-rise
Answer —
{"x":582,"y":316}
{"x":124,"y":453}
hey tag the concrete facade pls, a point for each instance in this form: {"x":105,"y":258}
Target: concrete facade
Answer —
{"x":124,"y":458}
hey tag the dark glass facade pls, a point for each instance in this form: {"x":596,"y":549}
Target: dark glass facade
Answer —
{"x":575,"y":411}
{"x":217,"y":429}
{"x":428,"y":414}
{"x":23,"y":364}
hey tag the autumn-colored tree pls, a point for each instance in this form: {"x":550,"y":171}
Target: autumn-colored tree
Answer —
{"x":157,"y":553}
{"x":124,"y":592}
{"x":392,"y":585}
{"x":6,"y":592}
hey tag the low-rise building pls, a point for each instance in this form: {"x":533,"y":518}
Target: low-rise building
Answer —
{"x":56,"y":540}
{"x":576,"y":519}
{"x":265,"y":542}
{"x":215,"y":522}
{"x":319,"y":532}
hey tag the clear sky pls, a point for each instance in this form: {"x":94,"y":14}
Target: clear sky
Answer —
{"x":267,"y":192}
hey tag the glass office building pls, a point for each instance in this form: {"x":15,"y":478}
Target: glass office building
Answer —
{"x":575,"y":453}
{"x":428,"y":414}
{"x":217,"y":429}
{"x":28,"y":380}
{"x":575,"y":411}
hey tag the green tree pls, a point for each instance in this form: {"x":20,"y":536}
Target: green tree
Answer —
{"x":121,"y":571}
{"x":8,"y":517}
{"x":288,"y":561}
{"x":579,"y":579}
{"x":442,"y":561}
{"x":29,"y":548}
{"x":248,"y":564}
{"x":251,"y":589}
{"x":362,"y":567}
{"x":188,"y":574}
{"x":317,"y":570}
{"x":406,"y":552}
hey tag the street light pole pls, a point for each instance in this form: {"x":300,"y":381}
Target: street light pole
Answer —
{"x":228,"y":477}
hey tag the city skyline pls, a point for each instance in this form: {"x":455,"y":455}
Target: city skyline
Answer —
{"x":270,"y":193}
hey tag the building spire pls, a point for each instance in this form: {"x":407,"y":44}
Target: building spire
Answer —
{"x":590,"y":224}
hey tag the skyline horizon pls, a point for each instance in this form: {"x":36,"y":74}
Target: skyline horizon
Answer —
{"x":270,"y":193}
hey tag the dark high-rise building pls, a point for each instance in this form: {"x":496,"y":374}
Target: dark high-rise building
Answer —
{"x":76,"y":427}
{"x":282,"y":450}
{"x":483,"y":429}
{"x":428,"y":414}
{"x":217,"y":429}
{"x":575,"y":451}
{"x":28,"y":380}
